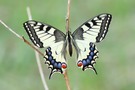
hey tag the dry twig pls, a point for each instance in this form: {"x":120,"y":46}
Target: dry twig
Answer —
{"x":38,"y":58}
{"x":67,"y":29}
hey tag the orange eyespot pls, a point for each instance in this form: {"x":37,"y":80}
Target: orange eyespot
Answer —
{"x":79,"y":64}
{"x":64,"y":66}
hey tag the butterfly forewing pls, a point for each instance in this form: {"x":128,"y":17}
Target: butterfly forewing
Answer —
{"x":44,"y":35}
{"x":93,"y":30}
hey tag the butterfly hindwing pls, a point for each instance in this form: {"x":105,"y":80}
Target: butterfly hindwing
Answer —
{"x":55,"y":58}
{"x":93,"y":30}
{"x":44,"y":35}
{"x":86,"y":55}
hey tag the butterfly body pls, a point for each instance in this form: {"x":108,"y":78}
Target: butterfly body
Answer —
{"x":58,"y":44}
{"x":70,"y":43}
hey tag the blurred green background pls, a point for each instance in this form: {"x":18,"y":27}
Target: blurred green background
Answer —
{"x":116,"y":62}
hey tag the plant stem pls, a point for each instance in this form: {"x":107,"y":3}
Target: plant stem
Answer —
{"x":67,"y":29}
{"x":21,"y":37}
{"x":38,"y":58}
{"x":68,"y":16}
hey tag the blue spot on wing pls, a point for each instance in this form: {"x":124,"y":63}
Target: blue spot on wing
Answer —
{"x":59,"y":65}
{"x":90,"y":57}
{"x":91,"y":53}
{"x":88,"y":61}
{"x":84,"y":62}
{"x":50,"y":58}
{"x":49,"y":53}
{"x":92,"y":49}
{"x":52,"y":62}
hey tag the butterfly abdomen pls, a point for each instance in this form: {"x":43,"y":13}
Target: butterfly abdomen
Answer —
{"x":69,"y":43}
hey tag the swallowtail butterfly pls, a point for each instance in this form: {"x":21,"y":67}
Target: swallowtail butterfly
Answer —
{"x":57,"y":43}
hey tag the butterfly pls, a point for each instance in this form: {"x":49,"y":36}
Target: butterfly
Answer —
{"x":58,"y":44}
